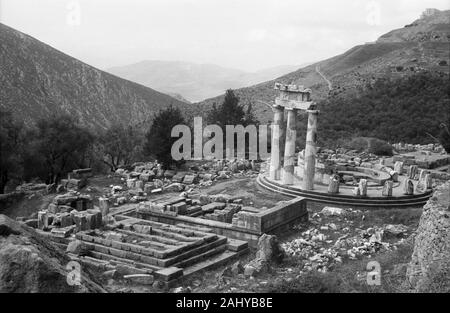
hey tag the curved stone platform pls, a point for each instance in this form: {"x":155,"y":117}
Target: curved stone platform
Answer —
{"x":347,"y":200}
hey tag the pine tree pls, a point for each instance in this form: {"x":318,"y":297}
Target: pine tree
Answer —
{"x":159,"y":140}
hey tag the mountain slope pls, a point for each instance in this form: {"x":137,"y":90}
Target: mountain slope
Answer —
{"x":194,"y":82}
{"x":424,"y":46}
{"x":37,"y":80}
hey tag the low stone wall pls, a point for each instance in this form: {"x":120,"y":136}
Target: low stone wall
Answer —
{"x":429,"y":269}
{"x":422,"y":163}
{"x":270,"y":219}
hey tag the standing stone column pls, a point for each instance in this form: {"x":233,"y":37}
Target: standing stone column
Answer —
{"x":277,"y":133}
{"x":310,"y":150}
{"x":412,"y":172}
{"x":408,"y":188}
{"x":289,"y":150}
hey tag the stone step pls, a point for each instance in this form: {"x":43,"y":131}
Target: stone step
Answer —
{"x":127,"y":255}
{"x":201,"y":257}
{"x":172,"y":228}
{"x":197,"y":251}
{"x":163,"y":242}
{"x":237,"y":245}
{"x":123,"y":246}
{"x":179,"y":237}
{"x":97,"y":264}
{"x":369,"y":202}
{"x":112,"y":259}
{"x":213,"y":262}
{"x":62,"y":246}
{"x":196,"y":214}
{"x":194,"y":227}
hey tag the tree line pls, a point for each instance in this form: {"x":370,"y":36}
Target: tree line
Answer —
{"x":414,"y":109}
{"x":58,"y":144}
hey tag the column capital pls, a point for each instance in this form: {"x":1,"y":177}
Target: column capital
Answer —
{"x":277,"y":107}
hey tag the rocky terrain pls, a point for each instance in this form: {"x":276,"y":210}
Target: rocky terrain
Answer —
{"x":421,"y":46}
{"x":328,"y":253}
{"x":31,"y":263}
{"x":38,"y":81}
{"x":429,"y":268}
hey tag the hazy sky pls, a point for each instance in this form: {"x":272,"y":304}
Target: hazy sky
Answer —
{"x":244,"y":34}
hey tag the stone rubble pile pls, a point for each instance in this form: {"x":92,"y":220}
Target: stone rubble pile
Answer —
{"x":144,"y":179}
{"x":405,"y":147}
{"x":320,"y":252}
{"x":345,"y":156}
{"x":68,"y":213}
{"x":220,"y":207}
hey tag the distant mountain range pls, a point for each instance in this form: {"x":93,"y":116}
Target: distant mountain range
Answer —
{"x":423,"y":45}
{"x":37,"y":80}
{"x":195,"y":82}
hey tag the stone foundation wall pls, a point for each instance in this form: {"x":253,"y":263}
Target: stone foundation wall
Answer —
{"x":429,"y":269}
{"x":246,"y":226}
{"x":270,"y":219}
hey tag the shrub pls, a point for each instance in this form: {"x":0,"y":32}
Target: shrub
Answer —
{"x":380,"y":147}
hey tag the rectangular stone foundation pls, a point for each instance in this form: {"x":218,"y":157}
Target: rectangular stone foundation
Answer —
{"x":246,"y":226}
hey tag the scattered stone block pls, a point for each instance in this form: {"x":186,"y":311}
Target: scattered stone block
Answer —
{"x":148,"y":187}
{"x":131,"y":183}
{"x":387,"y":189}
{"x":179,"y":208}
{"x":139,"y":184}
{"x":158,"y":183}
{"x":168,"y":274}
{"x":190,"y":179}
{"x":331,"y":211}
{"x":169,"y":174}
{"x":209,"y":208}
{"x":141,"y":279}
{"x":104,"y":205}
{"x":333,"y":186}
{"x":398,"y":167}
{"x":63,"y":232}
{"x":408,"y":187}
{"x":179,"y":177}
{"x":66,"y":220}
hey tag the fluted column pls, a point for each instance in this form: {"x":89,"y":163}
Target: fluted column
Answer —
{"x":277,"y":133}
{"x":289,"y":150}
{"x":310,"y":151}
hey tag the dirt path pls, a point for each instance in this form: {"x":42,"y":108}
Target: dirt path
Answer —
{"x":330,"y":85}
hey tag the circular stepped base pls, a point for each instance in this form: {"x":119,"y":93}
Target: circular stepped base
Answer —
{"x":370,"y":202}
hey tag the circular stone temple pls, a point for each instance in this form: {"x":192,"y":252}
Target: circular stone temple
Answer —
{"x":329,"y":177}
